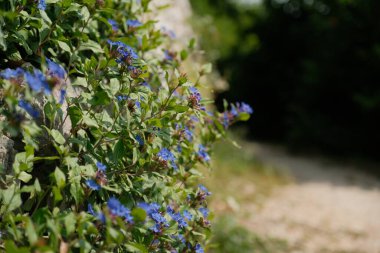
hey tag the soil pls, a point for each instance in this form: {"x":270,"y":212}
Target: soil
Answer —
{"x":326,"y":207}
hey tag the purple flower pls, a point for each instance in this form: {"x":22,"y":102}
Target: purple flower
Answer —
{"x":101,"y":166}
{"x":55,"y":70}
{"x":133,"y":23}
{"x":37,"y":82}
{"x":28,"y":108}
{"x":12,"y":73}
{"x":118,"y":209}
{"x":114,"y":24}
{"x":41,"y":5}
{"x":93,"y":185}
{"x":202,"y":153}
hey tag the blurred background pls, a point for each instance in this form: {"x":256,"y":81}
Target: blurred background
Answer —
{"x":306,"y":177}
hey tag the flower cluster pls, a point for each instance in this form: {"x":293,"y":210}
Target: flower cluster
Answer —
{"x":124,"y":53}
{"x":230,"y":116}
{"x":194,"y":98}
{"x":165,"y":157}
{"x":100,"y":178}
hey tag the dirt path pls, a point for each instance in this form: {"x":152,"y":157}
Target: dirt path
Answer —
{"x":326,"y":208}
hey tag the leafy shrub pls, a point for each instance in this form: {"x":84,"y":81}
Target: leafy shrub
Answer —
{"x":107,"y":132}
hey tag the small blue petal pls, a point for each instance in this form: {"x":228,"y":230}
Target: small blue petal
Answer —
{"x":92,"y":185}
{"x":101,"y":166}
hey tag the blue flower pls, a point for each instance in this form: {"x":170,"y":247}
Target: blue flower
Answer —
{"x":157,"y":228}
{"x":243,"y":107}
{"x":62,"y":94}
{"x":188,"y":134}
{"x":133,"y":23}
{"x":93,"y":185}
{"x":12,"y":73}
{"x":226,"y":120}
{"x":204,"y":190}
{"x":122,"y":97}
{"x":101,"y":166}
{"x":202,"y":153}
{"x":118,"y":209}
{"x":168,"y":56}
{"x":195,"y":98}
{"x":198,"y":248}
{"x":204,"y":211}
{"x":187,"y":215}
{"x":234,"y":112}
{"x":114,"y":24}
{"x":149,"y":208}
{"x":28,"y":108}
{"x":125,"y":52}
{"x":165,"y":155}
{"x":176,"y":217}
{"x":41,"y":5}
{"x":100,"y":216}
{"x":55,"y":69}
{"x":37,"y":82}
{"x":139,"y":140}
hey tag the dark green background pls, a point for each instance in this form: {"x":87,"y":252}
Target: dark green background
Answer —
{"x":310,"y":69}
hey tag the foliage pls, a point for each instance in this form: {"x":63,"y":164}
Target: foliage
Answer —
{"x":312,"y":75}
{"x":108,"y":132}
{"x":229,"y":236}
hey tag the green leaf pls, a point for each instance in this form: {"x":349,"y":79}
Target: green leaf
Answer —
{"x":10,"y":199}
{"x":77,"y":192}
{"x":25,"y":177}
{"x":184,"y":54}
{"x":64,"y":46}
{"x":60,"y":178}
{"x":57,"y":194}
{"x":70,"y":222}
{"x":91,"y":45}
{"x":30,"y":231}
{"x":119,"y":150}
{"x":10,"y":246}
{"x":136,"y":247}
{"x":139,"y":214}
{"x":58,"y":137}
{"x":243,"y":116}
{"x":75,"y":115}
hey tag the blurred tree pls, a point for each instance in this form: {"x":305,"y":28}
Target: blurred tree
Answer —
{"x":310,"y":68}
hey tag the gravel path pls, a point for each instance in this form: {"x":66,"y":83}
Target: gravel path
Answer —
{"x":326,"y":208}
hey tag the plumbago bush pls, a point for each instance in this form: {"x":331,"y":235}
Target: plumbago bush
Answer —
{"x":108,"y":131}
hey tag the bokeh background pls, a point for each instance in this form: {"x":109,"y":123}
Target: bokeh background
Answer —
{"x":306,"y":177}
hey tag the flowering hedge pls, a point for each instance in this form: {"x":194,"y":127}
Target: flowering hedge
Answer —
{"x":108,"y":131}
